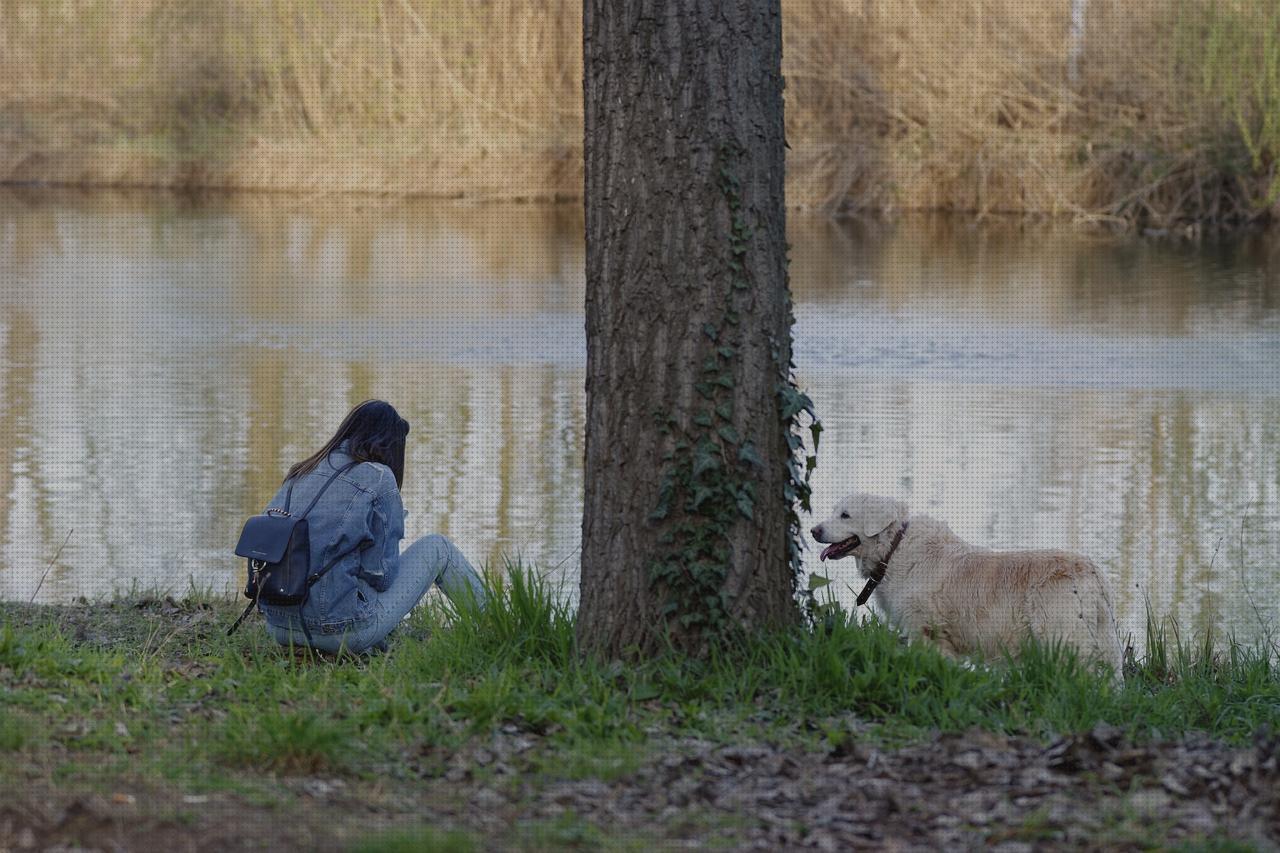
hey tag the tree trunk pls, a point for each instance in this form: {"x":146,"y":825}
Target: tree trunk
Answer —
{"x":688,"y":521}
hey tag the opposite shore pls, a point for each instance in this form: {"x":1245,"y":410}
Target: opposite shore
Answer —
{"x":1159,"y":115}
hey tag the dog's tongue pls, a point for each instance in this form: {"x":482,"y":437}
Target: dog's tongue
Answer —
{"x":826,"y":552}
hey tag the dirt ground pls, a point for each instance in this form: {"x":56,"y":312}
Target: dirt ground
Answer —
{"x":954,"y":792}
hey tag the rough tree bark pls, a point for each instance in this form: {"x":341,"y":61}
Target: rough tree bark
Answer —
{"x":689,"y":480}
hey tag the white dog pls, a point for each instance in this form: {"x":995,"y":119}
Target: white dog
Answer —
{"x":970,"y":600}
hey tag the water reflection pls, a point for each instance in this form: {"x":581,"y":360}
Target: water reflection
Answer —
{"x":165,"y":363}
{"x":165,"y":360}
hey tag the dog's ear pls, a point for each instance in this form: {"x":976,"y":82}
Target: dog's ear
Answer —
{"x":878,"y":514}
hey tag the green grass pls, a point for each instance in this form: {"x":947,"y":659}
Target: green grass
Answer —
{"x":1216,"y":845}
{"x":568,"y":831}
{"x":205,"y":705}
{"x":13,"y":731}
{"x":151,"y":691}
{"x":425,"y":840}
{"x":293,"y":741}
{"x":1240,"y":67}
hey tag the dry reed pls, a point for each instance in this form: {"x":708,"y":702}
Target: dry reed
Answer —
{"x":963,"y":105}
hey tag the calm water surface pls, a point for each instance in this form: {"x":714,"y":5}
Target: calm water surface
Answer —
{"x":164,"y":361}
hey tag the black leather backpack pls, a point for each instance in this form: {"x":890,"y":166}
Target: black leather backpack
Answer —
{"x":277,"y":546}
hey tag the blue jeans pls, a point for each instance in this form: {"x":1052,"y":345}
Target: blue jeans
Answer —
{"x":432,"y":559}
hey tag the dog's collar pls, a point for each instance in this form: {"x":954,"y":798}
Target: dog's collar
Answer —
{"x":878,"y":574}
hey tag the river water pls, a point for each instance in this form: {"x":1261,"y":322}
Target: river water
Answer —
{"x":163,"y":360}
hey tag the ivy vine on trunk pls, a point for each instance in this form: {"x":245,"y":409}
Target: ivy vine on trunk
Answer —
{"x":692,"y":479}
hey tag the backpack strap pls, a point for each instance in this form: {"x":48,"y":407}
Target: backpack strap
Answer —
{"x":311,"y":581}
{"x":333,"y":561}
{"x":288,"y":495}
{"x":248,"y":608}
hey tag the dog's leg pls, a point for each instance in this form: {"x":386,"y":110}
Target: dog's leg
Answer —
{"x":941,"y":642}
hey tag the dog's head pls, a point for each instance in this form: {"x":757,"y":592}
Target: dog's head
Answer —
{"x":855,"y":525}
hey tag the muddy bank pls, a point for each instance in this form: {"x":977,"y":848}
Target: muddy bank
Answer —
{"x":300,"y":166}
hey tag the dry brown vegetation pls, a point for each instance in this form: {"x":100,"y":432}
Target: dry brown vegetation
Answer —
{"x":892,"y":104}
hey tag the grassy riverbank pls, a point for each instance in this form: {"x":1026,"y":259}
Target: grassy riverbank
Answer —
{"x":1171,"y":121}
{"x":144,"y":714}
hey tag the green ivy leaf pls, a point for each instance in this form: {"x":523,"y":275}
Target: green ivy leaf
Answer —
{"x":705,"y":458}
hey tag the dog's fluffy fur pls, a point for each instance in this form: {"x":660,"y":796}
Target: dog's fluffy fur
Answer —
{"x":971,"y":600}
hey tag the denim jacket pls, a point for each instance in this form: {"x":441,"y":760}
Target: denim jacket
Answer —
{"x":361,"y":506}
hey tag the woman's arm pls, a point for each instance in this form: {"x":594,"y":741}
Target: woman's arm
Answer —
{"x":380,"y":562}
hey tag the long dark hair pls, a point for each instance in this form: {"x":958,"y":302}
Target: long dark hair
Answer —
{"x":375,"y":432}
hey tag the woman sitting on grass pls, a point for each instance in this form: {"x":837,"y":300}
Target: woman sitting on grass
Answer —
{"x":365,"y":594}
